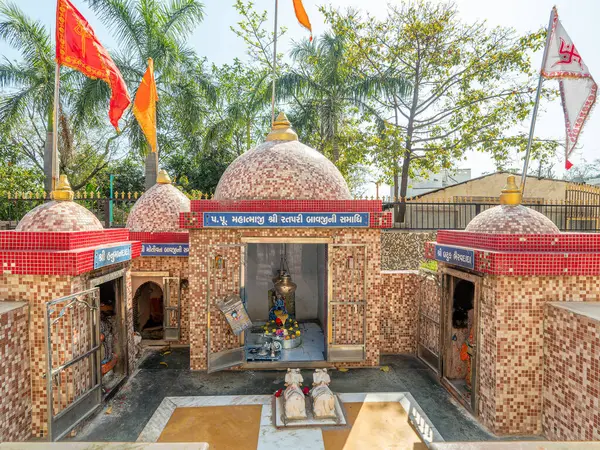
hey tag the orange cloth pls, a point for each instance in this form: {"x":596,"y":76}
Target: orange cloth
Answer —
{"x":78,"y":48}
{"x":144,"y":105}
{"x":302,"y":16}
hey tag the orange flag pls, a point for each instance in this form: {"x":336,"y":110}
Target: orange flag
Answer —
{"x":78,"y":48}
{"x":144,"y":105}
{"x":302,"y":16}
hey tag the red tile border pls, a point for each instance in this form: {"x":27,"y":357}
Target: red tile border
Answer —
{"x":164,"y":238}
{"x":371,"y":206}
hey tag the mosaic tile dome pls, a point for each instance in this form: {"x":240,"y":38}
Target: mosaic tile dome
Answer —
{"x":511,"y":219}
{"x":157,"y":210}
{"x":282,"y":169}
{"x":59,"y":216}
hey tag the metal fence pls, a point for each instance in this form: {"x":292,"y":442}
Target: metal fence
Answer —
{"x":112,"y":212}
{"x":454,"y":214}
{"x":446,"y":215}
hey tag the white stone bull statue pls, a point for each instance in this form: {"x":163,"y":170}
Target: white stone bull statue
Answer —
{"x":293,"y":397}
{"x":322,"y":397}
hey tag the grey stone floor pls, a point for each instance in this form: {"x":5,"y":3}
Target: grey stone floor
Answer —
{"x":135,"y":403}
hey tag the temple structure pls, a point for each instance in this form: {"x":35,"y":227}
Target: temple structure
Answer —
{"x":282,"y":269}
{"x":515,"y":344}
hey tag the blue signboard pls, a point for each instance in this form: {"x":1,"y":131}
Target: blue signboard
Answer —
{"x":285,"y":220}
{"x":456,"y":256}
{"x":111,"y":255}
{"x":165,"y":249}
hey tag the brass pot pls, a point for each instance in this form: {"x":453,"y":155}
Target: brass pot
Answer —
{"x":277,"y":277}
{"x":285,"y":285}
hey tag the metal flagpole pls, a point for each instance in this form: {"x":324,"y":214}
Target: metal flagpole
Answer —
{"x":274,"y":63}
{"x":55,"y":164}
{"x":537,"y":104}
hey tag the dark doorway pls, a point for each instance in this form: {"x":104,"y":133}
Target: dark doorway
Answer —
{"x":148,"y":311}
{"x":112,"y":334}
{"x":460,"y":345}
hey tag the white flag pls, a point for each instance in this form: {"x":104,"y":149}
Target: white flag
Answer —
{"x":577,"y":87}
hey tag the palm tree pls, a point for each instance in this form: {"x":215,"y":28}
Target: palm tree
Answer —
{"x":158,"y":30}
{"x":324,"y":88}
{"x":30,"y":81}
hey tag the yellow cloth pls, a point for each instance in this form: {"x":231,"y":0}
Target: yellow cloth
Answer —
{"x":144,"y":106}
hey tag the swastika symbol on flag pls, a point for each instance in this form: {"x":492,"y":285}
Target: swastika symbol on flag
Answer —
{"x":568,"y":54}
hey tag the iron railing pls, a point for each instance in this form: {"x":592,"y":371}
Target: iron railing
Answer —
{"x":420,"y":214}
{"x":452,"y":215}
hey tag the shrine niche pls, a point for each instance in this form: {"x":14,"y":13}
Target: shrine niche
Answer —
{"x":283,"y":233}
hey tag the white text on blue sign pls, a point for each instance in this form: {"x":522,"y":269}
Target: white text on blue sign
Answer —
{"x":285,"y":220}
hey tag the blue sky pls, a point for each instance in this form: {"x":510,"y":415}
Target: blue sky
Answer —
{"x":216,"y":41}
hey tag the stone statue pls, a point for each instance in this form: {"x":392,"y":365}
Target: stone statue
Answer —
{"x":322,"y":397}
{"x":293,"y":397}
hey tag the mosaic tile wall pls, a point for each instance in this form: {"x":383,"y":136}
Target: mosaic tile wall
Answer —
{"x":511,"y":346}
{"x":59,"y":216}
{"x":571,"y":376}
{"x":399,"y":311}
{"x":37,"y":290}
{"x":282,"y":170}
{"x":404,"y":250}
{"x":15,"y":388}
{"x":157,"y":210}
{"x":177,"y":267}
{"x":204,"y":245}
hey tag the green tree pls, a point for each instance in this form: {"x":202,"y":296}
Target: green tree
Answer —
{"x":470,"y":85}
{"x":158,"y":30}
{"x":328,"y":93}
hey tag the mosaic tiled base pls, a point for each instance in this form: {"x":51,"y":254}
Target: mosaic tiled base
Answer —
{"x":428,"y":296}
{"x":37,"y":290}
{"x":399,"y":311}
{"x":59,"y":216}
{"x":571,"y":408}
{"x":176,"y":267}
{"x":15,"y":385}
{"x":157,"y":210}
{"x":511,"y":341}
{"x":509,"y":219}
{"x":206,"y":245}
{"x":282,"y":170}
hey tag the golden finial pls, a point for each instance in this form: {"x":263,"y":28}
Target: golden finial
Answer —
{"x":163,"y":177}
{"x":282,"y":130}
{"x":511,"y":194}
{"x":63,"y":191}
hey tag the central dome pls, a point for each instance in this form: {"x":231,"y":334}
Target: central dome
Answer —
{"x":282,"y":169}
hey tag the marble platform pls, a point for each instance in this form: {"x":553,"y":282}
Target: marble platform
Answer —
{"x":272,"y":438}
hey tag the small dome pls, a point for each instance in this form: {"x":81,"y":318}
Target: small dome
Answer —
{"x":511,"y":219}
{"x":59,"y":216}
{"x":282,"y":170}
{"x":157,"y":210}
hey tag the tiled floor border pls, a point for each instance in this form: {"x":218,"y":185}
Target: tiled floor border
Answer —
{"x":269,"y":436}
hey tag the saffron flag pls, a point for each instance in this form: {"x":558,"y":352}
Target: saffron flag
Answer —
{"x":577,"y":87}
{"x":78,"y":48}
{"x":144,"y":105}
{"x":302,"y":16}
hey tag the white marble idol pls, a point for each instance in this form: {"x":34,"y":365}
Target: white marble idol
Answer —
{"x":322,"y":397}
{"x":295,"y":405}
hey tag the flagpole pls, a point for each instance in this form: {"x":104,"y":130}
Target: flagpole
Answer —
{"x":55,"y":164}
{"x":537,"y":104}
{"x":274,"y":63}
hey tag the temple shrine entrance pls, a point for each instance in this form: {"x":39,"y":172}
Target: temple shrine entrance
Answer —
{"x":461,"y":325}
{"x":113,"y":330}
{"x":286,"y":299}
{"x":148,"y":307}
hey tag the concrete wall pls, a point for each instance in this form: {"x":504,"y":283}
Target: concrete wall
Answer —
{"x":404,"y":250}
{"x":571,"y":408}
{"x":490,"y":186}
{"x":15,"y":375}
{"x":303,"y":261}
